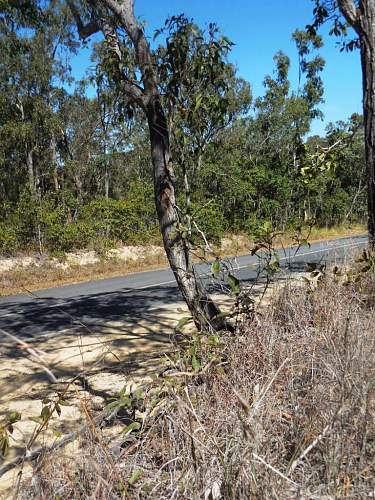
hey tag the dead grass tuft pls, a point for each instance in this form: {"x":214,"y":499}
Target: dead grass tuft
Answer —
{"x":287,"y":413}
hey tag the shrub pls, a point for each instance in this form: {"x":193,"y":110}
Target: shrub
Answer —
{"x":210,"y":219}
{"x":8,"y":239}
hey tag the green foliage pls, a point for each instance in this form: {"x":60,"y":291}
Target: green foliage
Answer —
{"x":209,"y":218}
{"x":8,"y":239}
{"x":75,"y":171}
{"x":53,"y":224}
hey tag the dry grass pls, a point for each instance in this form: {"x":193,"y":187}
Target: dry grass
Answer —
{"x":287,"y":412}
{"x":49,"y":276}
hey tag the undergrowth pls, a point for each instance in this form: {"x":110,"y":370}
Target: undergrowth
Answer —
{"x":282,"y":409}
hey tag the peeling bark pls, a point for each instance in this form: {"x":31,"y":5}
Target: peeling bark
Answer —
{"x":201,"y":306}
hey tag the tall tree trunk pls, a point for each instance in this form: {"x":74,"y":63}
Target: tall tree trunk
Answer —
{"x":202,"y":308}
{"x":79,"y":187}
{"x":363,"y":22}
{"x":55,"y":176}
{"x":368,"y":82}
{"x":106,"y":182}
{"x":106,"y":177}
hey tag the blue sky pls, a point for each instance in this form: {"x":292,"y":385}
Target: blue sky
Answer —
{"x":259,"y":30}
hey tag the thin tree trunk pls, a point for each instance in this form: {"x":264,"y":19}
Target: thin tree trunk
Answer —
{"x":55,"y":175}
{"x":30,"y":171}
{"x":79,"y":187}
{"x":176,"y":247}
{"x":106,"y":179}
{"x":106,"y":183}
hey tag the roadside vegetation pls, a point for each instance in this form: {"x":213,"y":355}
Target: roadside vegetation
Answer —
{"x":161,"y":154}
{"x":76,"y":171}
{"x":284,"y":405}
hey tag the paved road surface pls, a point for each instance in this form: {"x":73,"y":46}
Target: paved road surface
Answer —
{"x":95,"y":303}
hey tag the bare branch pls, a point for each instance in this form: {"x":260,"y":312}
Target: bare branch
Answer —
{"x":35,"y":354}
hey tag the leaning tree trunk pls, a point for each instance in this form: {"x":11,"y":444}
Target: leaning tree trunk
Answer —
{"x":146,"y":96}
{"x":203,"y":309}
{"x":368,"y":81}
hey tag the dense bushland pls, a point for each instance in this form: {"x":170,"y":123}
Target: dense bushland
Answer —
{"x":76,"y":170}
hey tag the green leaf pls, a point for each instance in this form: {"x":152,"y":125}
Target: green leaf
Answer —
{"x":198,"y":102}
{"x":134,"y":426}
{"x":45,"y":413}
{"x":215,"y":268}
{"x":137,"y":474}
{"x":214,"y":340}
{"x":267,"y":226}
{"x":234,"y":284}
{"x":14,"y":416}
{"x":195,"y":363}
{"x":4,"y":445}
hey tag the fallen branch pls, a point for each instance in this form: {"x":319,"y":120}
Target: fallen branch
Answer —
{"x":34,"y":353}
{"x":307,"y":450}
{"x":29,"y":456}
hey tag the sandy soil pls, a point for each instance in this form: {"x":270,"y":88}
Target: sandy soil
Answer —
{"x":125,"y":353}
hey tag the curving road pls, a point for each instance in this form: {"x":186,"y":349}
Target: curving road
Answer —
{"x":134,"y":296}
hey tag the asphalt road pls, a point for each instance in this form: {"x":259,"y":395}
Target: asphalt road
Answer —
{"x":96,"y":303}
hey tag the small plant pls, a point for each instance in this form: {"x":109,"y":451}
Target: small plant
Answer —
{"x":6,"y":431}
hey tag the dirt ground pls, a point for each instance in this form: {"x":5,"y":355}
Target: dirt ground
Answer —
{"x":124,"y":353}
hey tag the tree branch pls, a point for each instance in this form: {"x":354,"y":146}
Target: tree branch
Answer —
{"x":349,"y":11}
{"x":84,"y":31}
{"x":125,"y":13}
{"x":133,"y":91}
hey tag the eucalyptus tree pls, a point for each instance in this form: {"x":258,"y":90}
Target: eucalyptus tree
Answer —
{"x":132,"y":68}
{"x":283,"y":116}
{"x":359,"y":15}
{"x":31,"y":41}
{"x":203,"y":97}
